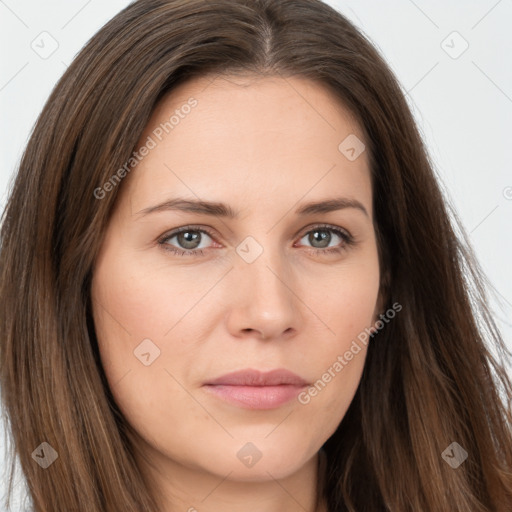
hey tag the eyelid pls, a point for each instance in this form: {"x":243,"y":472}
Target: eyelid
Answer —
{"x":209,"y":232}
{"x":346,"y":236}
{"x":171,"y":234}
{"x":313,"y":226}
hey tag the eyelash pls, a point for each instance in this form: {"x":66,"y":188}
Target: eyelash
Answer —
{"x":348,"y":240}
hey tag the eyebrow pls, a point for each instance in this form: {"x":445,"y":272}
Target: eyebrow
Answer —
{"x":223,"y":210}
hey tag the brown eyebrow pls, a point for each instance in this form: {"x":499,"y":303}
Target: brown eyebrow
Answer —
{"x":222,"y":210}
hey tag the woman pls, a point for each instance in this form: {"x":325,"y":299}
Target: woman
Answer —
{"x":229,"y":277}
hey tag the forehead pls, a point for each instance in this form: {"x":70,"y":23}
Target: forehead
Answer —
{"x":230,"y":139}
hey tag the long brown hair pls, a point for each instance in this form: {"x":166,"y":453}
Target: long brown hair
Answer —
{"x":430,"y":378}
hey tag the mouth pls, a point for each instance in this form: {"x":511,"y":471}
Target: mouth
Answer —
{"x":252,"y":389}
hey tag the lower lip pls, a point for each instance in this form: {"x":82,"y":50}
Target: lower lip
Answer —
{"x":256,"y":397}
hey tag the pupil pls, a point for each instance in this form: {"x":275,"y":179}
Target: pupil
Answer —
{"x":188,"y":239}
{"x":324,"y":238}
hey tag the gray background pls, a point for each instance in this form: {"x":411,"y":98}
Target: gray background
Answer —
{"x":462,"y":100}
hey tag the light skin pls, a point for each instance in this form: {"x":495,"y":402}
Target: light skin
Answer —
{"x":264,"y":147}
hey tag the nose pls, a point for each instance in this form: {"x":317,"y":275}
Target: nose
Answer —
{"x":264,"y":304}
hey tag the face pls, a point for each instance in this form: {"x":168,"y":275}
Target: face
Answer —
{"x":258,"y":280}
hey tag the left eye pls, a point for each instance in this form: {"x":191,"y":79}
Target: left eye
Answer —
{"x":190,"y":241}
{"x":323,"y":236}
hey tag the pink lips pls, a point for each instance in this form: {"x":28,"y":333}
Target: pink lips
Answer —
{"x":252,"y":389}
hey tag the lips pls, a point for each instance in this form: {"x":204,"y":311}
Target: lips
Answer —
{"x":257,"y":378}
{"x":252,"y":389}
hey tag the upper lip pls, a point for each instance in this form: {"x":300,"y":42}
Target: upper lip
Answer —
{"x":256,"y":378}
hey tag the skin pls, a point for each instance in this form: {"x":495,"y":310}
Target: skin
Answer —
{"x":264,"y":147}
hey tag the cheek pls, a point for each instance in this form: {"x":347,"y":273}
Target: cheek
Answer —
{"x":346,"y":302}
{"x":142,"y":327}
{"x":134,"y":301}
{"x":347,"y":308}
{"x":149,"y":337}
